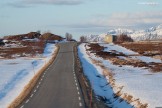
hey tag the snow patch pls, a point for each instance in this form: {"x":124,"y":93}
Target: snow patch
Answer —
{"x":16,"y":73}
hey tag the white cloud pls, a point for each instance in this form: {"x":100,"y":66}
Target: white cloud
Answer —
{"x":148,"y":3}
{"x":56,"y":2}
{"x":100,"y":22}
{"x":139,"y":19}
{"x":31,"y":3}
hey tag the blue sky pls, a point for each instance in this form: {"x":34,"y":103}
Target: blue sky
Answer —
{"x":78,"y":17}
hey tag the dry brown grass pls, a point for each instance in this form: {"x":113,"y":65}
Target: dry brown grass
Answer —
{"x":31,"y":84}
{"x":30,"y":35}
{"x":145,"y":48}
{"x":27,"y":49}
{"x":50,"y":36}
{"x":113,"y":56}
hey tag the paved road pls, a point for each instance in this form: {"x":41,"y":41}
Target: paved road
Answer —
{"x":58,"y":87}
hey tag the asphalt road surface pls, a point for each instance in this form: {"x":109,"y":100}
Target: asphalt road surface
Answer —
{"x":58,"y":86}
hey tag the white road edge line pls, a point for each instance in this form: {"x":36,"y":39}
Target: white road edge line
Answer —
{"x":31,"y":95}
{"x":27,"y":101}
{"x":78,"y":93}
{"x":22,"y":106}
{"x":80,"y":104}
{"x":37,"y":86}
{"x":35,"y":90}
{"x":79,"y":98}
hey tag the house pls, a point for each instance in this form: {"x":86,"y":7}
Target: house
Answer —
{"x":110,"y":38}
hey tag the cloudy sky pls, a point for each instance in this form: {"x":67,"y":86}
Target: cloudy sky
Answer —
{"x":78,"y":17}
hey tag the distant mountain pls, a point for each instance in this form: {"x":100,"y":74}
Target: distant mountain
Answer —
{"x":120,"y":31}
{"x":152,"y":33}
{"x":96,"y":38}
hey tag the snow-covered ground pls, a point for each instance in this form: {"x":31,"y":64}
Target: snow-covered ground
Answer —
{"x":16,"y":73}
{"x":137,"y":82}
{"x":110,"y":47}
{"x":98,"y":82}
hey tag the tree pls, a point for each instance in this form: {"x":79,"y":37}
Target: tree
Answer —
{"x":68,"y":36}
{"x":83,"y":39}
{"x":39,"y":32}
{"x":124,"y":38}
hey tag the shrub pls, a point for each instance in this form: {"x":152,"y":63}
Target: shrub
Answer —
{"x":124,"y":38}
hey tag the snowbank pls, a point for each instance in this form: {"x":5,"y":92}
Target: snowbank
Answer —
{"x":136,"y":81}
{"x":98,"y":81}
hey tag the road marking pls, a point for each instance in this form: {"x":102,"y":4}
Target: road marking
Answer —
{"x":31,"y":95}
{"x":39,"y":83}
{"x":76,"y":84}
{"x":75,"y":80}
{"x":78,"y":93}
{"x":43,"y":76}
{"x":74,"y":77}
{"x":80,"y":104}
{"x":77,"y":88}
{"x":35,"y":90}
{"x":44,"y":73}
{"x":22,"y":106}
{"x":37,"y":86}
{"x":27,"y":101}
{"x":79,"y":98}
{"x":41,"y":79}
